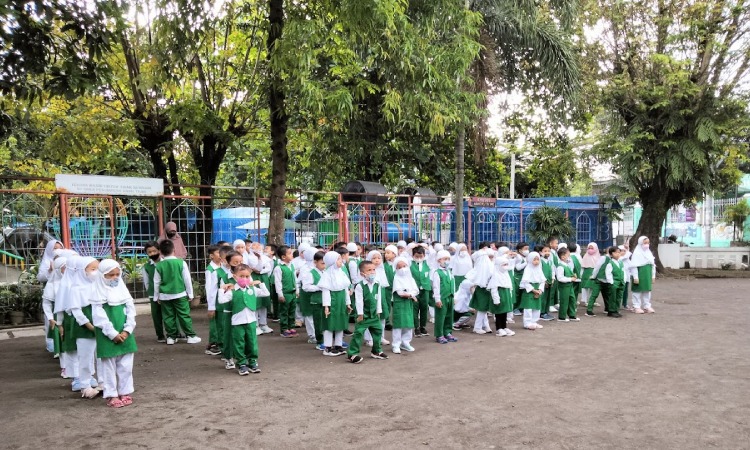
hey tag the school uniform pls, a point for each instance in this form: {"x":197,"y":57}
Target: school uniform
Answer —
{"x":148,"y":272}
{"x":533,"y":279}
{"x":602,"y":282}
{"x":566,"y":290}
{"x":575,"y":265}
{"x":272,"y":288}
{"x":338,"y":319}
{"x":244,"y":303}
{"x":443,"y":290}
{"x":313,"y":301}
{"x":625,"y":259}
{"x":285,"y":278}
{"x":519,"y":266}
{"x":618,"y":285}
{"x":172,"y":288}
{"x":403,"y":311}
{"x":110,"y":319}
{"x":224,"y":312}
{"x":212,"y":292}
{"x":502,"y":291}
{"x":390,"y":273}
{"x":262,"y":273}
{"x":367,"y":304}
{"x":420,"y":271}
{"x":548,"y":296}
{"x":80,"y":309}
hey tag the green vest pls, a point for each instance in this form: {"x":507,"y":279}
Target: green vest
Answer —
{"x":422,"y":277}
{"x":567,"y":271}
{"x":577,"y":268}
{"x":242,"y":299}
{"x":555,"y":258}
{"x":345,"y":268}
{"x":602,"y":274}
{"x":618,"y":274}
{"x":547,"y":270}
{"x":170,"y":271}
{"x":150,"y":270}
{"x":370,"y":299}
{"x":287,"y":278}
{"x":390,"y":273}
{"x":316,"y":298}
{"x":447,"y":284}
{"x":221,"y":275}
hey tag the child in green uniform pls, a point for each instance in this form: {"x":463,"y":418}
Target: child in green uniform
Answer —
{"x":502,"y":291}
{"x":522,"y":252}
{"x":421,"y":273}
{"x":149,"y":269}
{"x":212,"y":292}
{"x":548,"y":267}
{"x":79,"y":305}
{"x":48,"y":306}
{"x":368,"y":307}
{"x":643,"y":273}
{"x":554,"y":245}
{"x":113,"y":312}
{"x":532,"y":288}
{"x":172,"y":289}
{"x":566,"y":278}
{"x":390,"y":271}
{"x":618,"y":283}
{"x":334,"y":287}
{"x":66,"y":324}
{"x":443,"y":288}
{"x":270,"y":251}
{"x":602,"y":276}
{"x":376,"y":259}
{"x":224,"y":305}
{"x":310,"y":280}
{"x":481,"y":298}
{"x":589,"y":261}
{"x":405,"y":292}
{"x":285,"y":281}
{"x":244,"y":304}
{"x":262,"y":272}
{"x":575,"y":261}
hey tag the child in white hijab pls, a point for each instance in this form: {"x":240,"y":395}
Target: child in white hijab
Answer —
{"x":532,"y":287}
{"x":481,"y":298}
{"x":502,"y":292}
{"x":589,"y":261}
{"x":380,"y":277}
{"x":48,"y":306}
{"x":643,"y":273}
{"x":334,"y":287}
{"x":405,"y":292}
{"x":79,"y":305}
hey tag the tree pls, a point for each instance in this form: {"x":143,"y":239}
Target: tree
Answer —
{"x":736,"y":215}
{"x":674,"y":114}
{"x":548,"y":222}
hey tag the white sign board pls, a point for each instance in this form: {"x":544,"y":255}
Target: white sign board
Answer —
{"x":105,"y":185}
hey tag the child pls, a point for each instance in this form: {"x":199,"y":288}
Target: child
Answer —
{"x":625,"y":260}
{"x":310,"y":281}
{"x":48,"y":306}
{"x":522,"y":252}
{"x":618,"y":283}
{"x":602,"y":276}
{"x":248,"y":258}
{"x":286,"y":290}
{"x":481,"y":298}
{"x":390,"y":271}
{"x":376,"y":259}
{"x":643,"y":272}
{"x":149,"y":269}
{"x":334,"y":287}
{"x":262,"y":273}
{"x":502,"y":290}
{"x":420,"y":271}
{"x":79,"y":305}
{"x":270,"y":251}
{"x":113,"y":311}
{"x":172,"y":289}
{"x":443,"y":288}
{"x":588,"y":263}
{"x":554,"y":245}
{"x":461,"y":264}
{"x":224,"y":307}
{"x":575,"y":264}
{"x":532,"y":287}
{"x":66,"y":324}
{"x":403,"y":251}
{"x":244,"y":303}
{"x":304,"y":296}
{"x":548,"y":267}
{"x":405,"y":292}
{"x":212,"y":292}
{"x":45,"y":273}
{"x":566,"y":277}
{"x":367,"y":304}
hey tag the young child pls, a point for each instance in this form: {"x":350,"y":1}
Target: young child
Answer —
{"x":149,"y":269}
{"x":66,"y":324}
{"x":212,"y":292}
{"x":480,"y":277}
{"x":575,"y":264}
{"x":113,"y":311}
{"x":461,"y":264}
{"x":405,"y":292}
{"x":286,"y":289}
{"x":262,"y":273}
{"x":367,"y":304}
{"x":554,"y":245}
{"x":227,"y":283}
{"x":532,"y":287}
{"x":625,"y":260}
{"x":602,"y":276}
{"x":248,"y":258}
{"x":270,"y":251}
{"x":548,"y":267}
{"x":443,"y":289}
{"x":172,"y":289}
{"x":566,"y":278}
{"x":420,"y":271}
{"x":618,"y":283}
{"x":643,"y":272}
{"x":79,"y":305}
{"x":334,"y":287}
{"x":49,"y":296}
{"x":390,"y":271}
{"x":522,"y":252}
{"x":310,"y":287}
{"x":588,"y":263}
{"x":244,"y":303}
{"x":502,"y":290}
{"x":376,"y":259}
{"x":304,"y":296}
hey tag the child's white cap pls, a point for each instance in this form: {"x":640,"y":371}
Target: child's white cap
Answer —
{"x":443,"y":254}
{"x":401,"y":244}
{"x":391,"y":248}
{"x":562,"y":245}
{"x":351,"y":247}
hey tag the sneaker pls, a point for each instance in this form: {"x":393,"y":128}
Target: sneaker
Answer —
{"x":312,"y":340}
{"x":213,"y":350}
{"x":93,"y":383}
{"x":441,"y":340}
{"x":451,"y":338}
{"x":511,"y":321}
{"x":258,"y":331}
{"x":456,"y":327}
{"x":56,"y":356}
{"x":488,"y":330}
{"x":614,"y":314}
{"x":368,"y":343}
{"x":266,"y":329}
{"x":407,"y":347}
{"x":293,"y":331}
{"x":596,"y":304}
{"x":340,"y":350}
{"x":423,"y":331}
{"x":244,"y":370}
{"x":161,"y":340}
{"x":552,"y":309}
{"x":380,"y":355}
{"x":330,"y":351}
{"x":531,"y":327}
{"x":650,"y":310}
{"x":385,"y":342}
{"x":501,"y":333}
{"x":77,"y":385}
{"x":432,"y":320}
{"x":287,"y":334}
{"x":229,"y":364}
{"x":575,"y":319}
{"x":563,"y":320}
{"x":193,"y":340}
{"x":347,"y":333}
{"x":509,"y":332}
{"x":590,"y":314}
{"x":546,"y":317}
{"x":480,"y":331}
{"x":320,"y":347}
{"x":396,"y":350}
{"x":517,"y":312}
{"x":254,"y":368}
{"x":275,"y":320}
{"x":388,"y":327}
{"x":355,"y":359}
{"x":170,"y":341}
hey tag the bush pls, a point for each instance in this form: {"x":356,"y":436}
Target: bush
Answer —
{"x":548,"y":222}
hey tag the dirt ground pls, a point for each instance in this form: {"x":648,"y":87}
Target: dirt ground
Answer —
{"x":676,"y":379}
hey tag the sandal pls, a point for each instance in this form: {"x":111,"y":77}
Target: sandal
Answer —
{"x":115,"y":402}
{"x":126,"y":400}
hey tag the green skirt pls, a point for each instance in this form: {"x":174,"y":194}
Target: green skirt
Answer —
{"x":386,"y":295}
{"x":528,"y":301}
{"x":54,"y":334}
{"x":338,"y":319}
{"x":403,"y":313}
{"x":459,"y":279}
{"x":68,"y":343}
{"x":81,"y":332}
{"x":586,"y":281}
{"x":481,"y":299}
{"x":105,"y":347}
{"x":506,"y":302}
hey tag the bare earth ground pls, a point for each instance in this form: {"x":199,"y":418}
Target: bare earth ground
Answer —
{"x":676,"y":379}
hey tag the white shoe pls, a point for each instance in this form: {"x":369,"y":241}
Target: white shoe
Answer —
{"x":501,"y":333}
{"x":511,"y":321}
{"x":509,"y":332}
{"x":258,"y":331}
{"x":368,"y":343}
{"x":407,"y":347}
{"x":229,"y":364}
{"x":266,"y":329}
{"x":396,"y":350}
{"x":193,"y":340}
{"x":563,"y":320}
{"x":488,"y":330}
{"x":539,"y":326}
{"x":432,"y":320}
{"x":170,"y":341}
{"x":575,"y":320}
{"x":89,"y":392}
{"x":384,"y":342}
{"x":480,"y":332}
{"x":552,"y":309}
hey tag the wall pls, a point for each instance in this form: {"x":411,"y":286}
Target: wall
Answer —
{"x":674,"y":257}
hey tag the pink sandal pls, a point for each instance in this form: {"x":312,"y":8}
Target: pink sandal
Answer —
{"x":126,"y":400}
{"x":115,"y":402}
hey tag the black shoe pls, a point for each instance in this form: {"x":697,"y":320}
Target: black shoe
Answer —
{"x":389,"y":327}
{"x":423,"y":331}
{"x":590,"y":314}
{"x":355,"y":359}
{"x":347,"y":333}
{"x":614,"y":314}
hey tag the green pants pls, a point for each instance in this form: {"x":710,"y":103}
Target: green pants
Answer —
{"x":421,"y":309}
{"x":245,"y":344}
{"x":225,"y":323}
{"x":444,"y":318}
{"x":615,"y":296}
{"x":554,"y":294}
{"x":596,"y":288}
{"x":548,"y":298}
{"x":213,"y":330}
{"x":372,"y":324}
{"x":576,"y":290}
{"x":625,"y":290}
{"x":54,"y":334}
{"x":317,"y":315}
{"x":156,"y":317}
{"x":274,"y":303}
{"x":286,"y":311}
{"x":566,"y":291}
{"x":177,"y":310}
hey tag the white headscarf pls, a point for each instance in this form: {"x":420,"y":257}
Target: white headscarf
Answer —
{"x":49,"y":255}
{"x":590,"y":260}
{"x":113,"y":296}
{"x":641,"y":256}
{"x":461,"y":265}
{"x":53,"y":283}
{"x":403,"y":282}
{"x":380,"y":276}
{"x":81,"y":286}
{"x":532,"y":273}
{"x":483,"y":268}
{"x":333,"y":278}
{"x":66,"y":281}
{"x":501,"y":278}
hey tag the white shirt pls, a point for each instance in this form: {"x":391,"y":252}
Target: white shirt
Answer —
{"x":353,"y":266}
{"x":435,"y":279}
{"x":359,"y":299}
{"x":247,"y":315}
{"x":212,"y":286}
{"x":144,"y":276}
{"x":277,"y":282}
{"x":185,"y":279}
{"x":308,"y":282}
{"x":560,"y":274}
{"x":102,"y":322}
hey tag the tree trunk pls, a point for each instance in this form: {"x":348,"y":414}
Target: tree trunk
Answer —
{"x":458,"y":189}
{"x":279,"y":123}
{"x":174,"y":177}
{"x":152,"y":136}
{"x":655,"y":209}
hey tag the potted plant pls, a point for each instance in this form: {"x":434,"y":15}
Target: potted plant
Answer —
{"x":132,"y":275}
{"x":199,"y":291}
{"x":7,"y":305}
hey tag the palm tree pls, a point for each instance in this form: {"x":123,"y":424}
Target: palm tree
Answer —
{"x":526,"y":46}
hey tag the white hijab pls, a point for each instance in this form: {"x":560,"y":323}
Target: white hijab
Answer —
{"x":47,"y":258}
{"x":380,"y":276}
{"x":483,"y":269}
{"x":53,"y":283}
{"x":81,"y":286}
{"x":532,"y":273}
{"x":333,"y":278}
{"x":461,"y":265}
{"x":403,"y":282}
{"x":66,"y":280}
{"x":501,"y":277}
{"x":641,"y":256}
{"x":105,"y":293}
